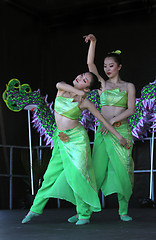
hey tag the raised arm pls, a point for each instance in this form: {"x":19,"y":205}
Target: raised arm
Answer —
{"x":62,"y":86}
{"x":91,"y":55}
{"x":91,"y":107}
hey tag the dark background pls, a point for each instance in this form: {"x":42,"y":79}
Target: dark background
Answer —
{"x":41,"y":43}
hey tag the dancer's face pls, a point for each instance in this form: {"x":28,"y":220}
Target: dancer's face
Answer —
{"x":82,"y":81}
{"x":111,"y":68}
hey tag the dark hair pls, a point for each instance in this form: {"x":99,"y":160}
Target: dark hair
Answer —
{"x":115,"y":56}
{"x":95,"y":84}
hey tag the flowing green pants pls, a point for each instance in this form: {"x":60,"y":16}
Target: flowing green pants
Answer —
{"x":70,"y":174}
{"x":113,"y":165}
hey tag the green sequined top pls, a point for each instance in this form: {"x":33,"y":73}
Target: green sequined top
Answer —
{"x":114,"y":97}
{"x":67,"y":108}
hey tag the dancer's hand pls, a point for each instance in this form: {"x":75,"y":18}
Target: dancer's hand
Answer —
{"x":89,"y":37}
{"x":125,"y":143}
{"x":112,"y":121}
{"x":103,"y":130}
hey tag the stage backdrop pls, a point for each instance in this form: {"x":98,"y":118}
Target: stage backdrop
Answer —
{"x":41,"y":54}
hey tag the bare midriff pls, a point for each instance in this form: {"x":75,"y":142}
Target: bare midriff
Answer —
{"x":110,"y":112}
{"x":64,"y":123}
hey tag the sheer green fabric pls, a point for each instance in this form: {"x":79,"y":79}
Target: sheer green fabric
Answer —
{"x":114,"y":97}
{"x":113,"y":164}
{"x":66,"y":107}
{"x":77,"y":176}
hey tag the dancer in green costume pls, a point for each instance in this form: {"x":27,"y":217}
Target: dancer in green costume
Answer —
{"x":113,"y":164}
{"x":70,"y":174}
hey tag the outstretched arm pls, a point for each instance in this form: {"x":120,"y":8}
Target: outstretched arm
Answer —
{"x":91,"y":55}
{"x":91,"y":107}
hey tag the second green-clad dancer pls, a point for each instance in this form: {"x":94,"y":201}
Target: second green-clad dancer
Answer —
{"x":113,"y":164}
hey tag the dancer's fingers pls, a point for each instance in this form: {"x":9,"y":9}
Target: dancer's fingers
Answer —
{"x":127,"y":146}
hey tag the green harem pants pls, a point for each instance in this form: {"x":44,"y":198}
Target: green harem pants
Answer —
{"x":70,"y":175}
{"x":114,"y":166}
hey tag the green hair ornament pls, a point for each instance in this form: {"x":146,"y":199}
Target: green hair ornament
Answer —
{"x":117,"y":52}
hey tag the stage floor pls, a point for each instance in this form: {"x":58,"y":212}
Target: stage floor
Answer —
{"x":53,"y":225}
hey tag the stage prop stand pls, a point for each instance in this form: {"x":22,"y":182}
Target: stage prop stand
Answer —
{"x":40,"y":159}
{"x":30,"y":147}
{"x":151,"y":196}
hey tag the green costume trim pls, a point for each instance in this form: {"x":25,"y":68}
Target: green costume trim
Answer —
{"x":114,"y":97}
{"x":67,"y":107}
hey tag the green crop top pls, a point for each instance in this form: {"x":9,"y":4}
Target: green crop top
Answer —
{"x":67,"y":108}
{"x":113,"y":97}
